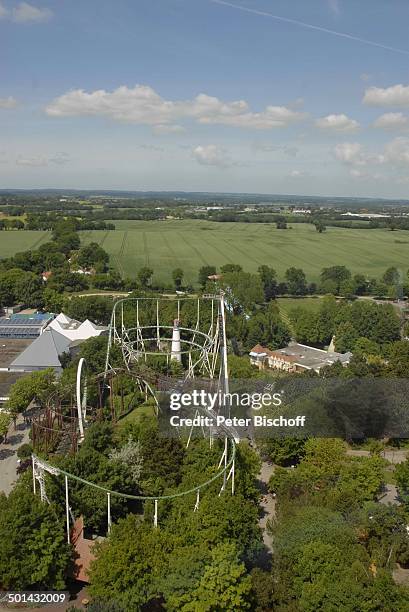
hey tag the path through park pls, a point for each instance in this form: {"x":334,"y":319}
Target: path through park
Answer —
{"x":8,"y":454}
{"x":267,"y":504}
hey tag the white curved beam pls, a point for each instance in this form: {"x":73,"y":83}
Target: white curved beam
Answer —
{"x":79,"y":399}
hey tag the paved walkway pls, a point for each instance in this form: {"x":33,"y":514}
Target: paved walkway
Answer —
{"x":390,"y":496}
{"x":393,"y":456}
{"x":401,"y":575}
{"x":100,"y":294}
{"x":267,"y":505}
{"x":8,"y":454}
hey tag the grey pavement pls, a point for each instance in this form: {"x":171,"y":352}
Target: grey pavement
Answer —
{"x":267,"y":505}
{"x":390,"y":496}
{"x":395,"y":456}
{"x":391,"y":455}
{"x":8,"y":454}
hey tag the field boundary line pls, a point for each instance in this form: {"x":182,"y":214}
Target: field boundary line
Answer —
{"x":170,"y":249}
{"x":216,"y":248}
{"x":239,"y":250}
{"x":194,"y":249}
{"x":286,"y":319}
{"x":122,"y":247}
{"x":271,"y":257}
{"x":119,"y":265}
{"x":105,"y":236}
{"x":39,"y":240}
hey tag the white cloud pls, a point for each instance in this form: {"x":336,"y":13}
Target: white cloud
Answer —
{"x":151,"y":147}
{"x":390,"y":121}
{"x":168,"y":129}
{"x":350,"y":153}
{"x":397,"y":95}
{"x":358,"y":173}
{"x":297,"y":103}
{"x":211,"y":155}
{"x":28,"y":13}
{"x":61,"y":158}
{"x":337,"y":123}
{"x":8,"y":103}
{"x":31,"y":161}
{"x":266,"y":147}
{"x":297,"y":174}
{"x":37,"y":161}
{"x":363,"y":164}
{"x":362,"y":174}
{"x":143,"y":105}
{"x":397,"y":151}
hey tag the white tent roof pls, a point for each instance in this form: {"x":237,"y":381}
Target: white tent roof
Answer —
{"x":75,"y":330}
{"x":62,"y":318}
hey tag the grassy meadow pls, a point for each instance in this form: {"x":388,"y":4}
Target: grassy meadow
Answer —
{"x":190,"y":244}
{"x":15,"y":241}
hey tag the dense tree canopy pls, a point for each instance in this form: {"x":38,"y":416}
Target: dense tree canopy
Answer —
{"x":33,"y":549}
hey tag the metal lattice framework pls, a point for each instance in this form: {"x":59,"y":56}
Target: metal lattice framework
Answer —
{"x":200,"y":344}
{"x":204,"y":352}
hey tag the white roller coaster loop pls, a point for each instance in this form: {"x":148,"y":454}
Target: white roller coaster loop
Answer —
{"x":214,"y":343}
{"x":200,"y":343}
{"x":81,"y":397}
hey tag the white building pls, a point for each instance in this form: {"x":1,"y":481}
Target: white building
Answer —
{"x":75,"y":330}
{"x":61,"y":336}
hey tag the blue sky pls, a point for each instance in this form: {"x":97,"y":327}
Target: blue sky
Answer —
{"x":205,"y":95}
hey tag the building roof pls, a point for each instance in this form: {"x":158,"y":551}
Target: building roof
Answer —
{"x":260,"y":351}
{"x":75,"y":330}
{"x":44,"y":352}
{"x":31,"y":316}
{"x":23,"y":325}
{"x":303,"y":356}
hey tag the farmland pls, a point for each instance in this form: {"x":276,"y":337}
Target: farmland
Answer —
{"x":14,"y":241}
{"x":190,"y":244}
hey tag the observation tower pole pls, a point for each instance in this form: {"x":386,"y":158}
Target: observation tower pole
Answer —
{"x":224,"y":382}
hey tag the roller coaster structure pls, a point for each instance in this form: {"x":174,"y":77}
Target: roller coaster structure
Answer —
{"x":204,"y":352}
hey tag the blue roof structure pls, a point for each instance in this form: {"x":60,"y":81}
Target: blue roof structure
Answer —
{"x":34,"y":317}
{"x":24,"y":326}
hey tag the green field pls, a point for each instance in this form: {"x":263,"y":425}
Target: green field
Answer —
{"x":311,"y":304}
{"x":190,"y":244}
{"x":12,"y":242}
{"x":286,"y":305}
{"x":165,"y":245}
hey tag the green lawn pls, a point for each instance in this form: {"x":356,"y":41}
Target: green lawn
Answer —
{"x":136,"y":415}
{"x":190,"y":244}
{"x":311,"y":304}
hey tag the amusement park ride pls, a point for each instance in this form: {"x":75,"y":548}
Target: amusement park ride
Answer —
{"x":197,"y":351}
